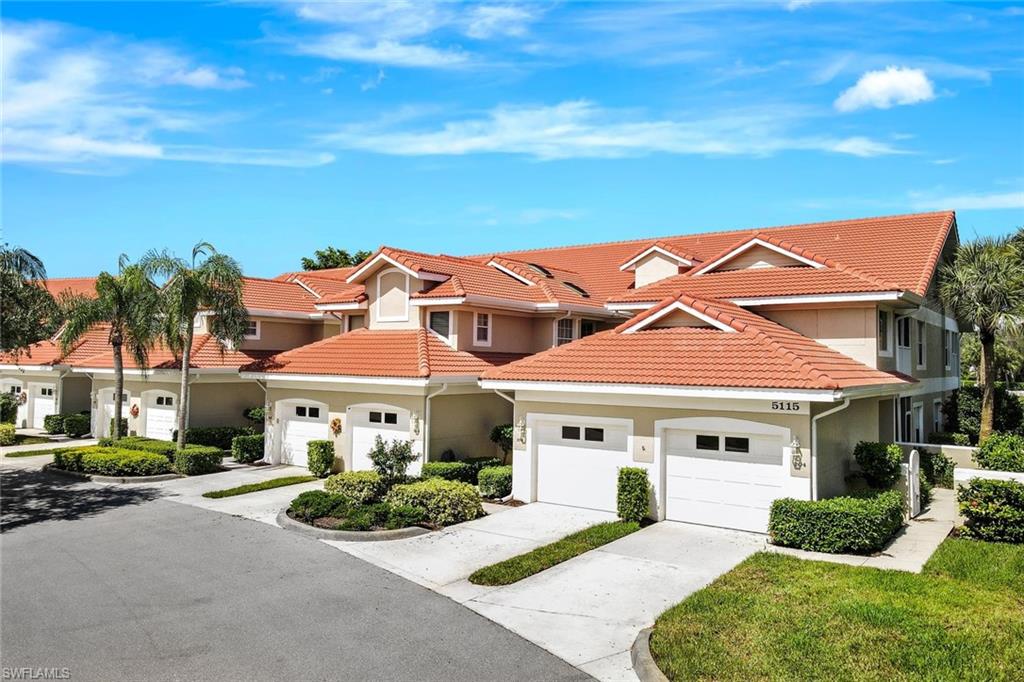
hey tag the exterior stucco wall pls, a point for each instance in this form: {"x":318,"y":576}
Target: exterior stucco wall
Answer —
{"x":278,"y":334}
{"x":850,"y":331}
{"x":464,"y":422}
{"x":759,"y":257}
{"x":391,"y":280}
{"x":74,"y":394}
{"x":654,"y":268}
{"x":838,"y":434}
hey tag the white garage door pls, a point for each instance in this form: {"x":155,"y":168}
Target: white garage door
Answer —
{"x":723,"y":479}
{"x":578,"y":463}
{"x":161,"y":415}
{"x":366,"y":423}
{"x":43,"y":404}
{"x":301,"y":423}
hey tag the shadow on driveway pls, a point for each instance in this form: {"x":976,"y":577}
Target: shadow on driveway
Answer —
{"x":30,"y":496}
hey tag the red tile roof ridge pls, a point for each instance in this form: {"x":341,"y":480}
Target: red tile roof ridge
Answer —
{"x":423,"y":352}
{"x":823,"y":223}
{"x":457,"y":286}
{"x":662,"y":244}
{"x":935,"y":254}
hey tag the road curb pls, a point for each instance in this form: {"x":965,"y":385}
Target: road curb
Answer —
{"x":288,"y":523}
{"x":643,"y":662}
{"x":96,"y":478}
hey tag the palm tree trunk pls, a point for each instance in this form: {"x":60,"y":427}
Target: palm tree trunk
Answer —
{"x":985,"y":378}
{"x":118,"y":388}
{"x":186,"y":354}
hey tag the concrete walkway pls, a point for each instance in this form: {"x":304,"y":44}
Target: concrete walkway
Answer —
{"x":912,"y":546}
{"x":60,"y":441}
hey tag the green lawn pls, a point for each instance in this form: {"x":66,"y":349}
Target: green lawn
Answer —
{"x":263,"y":485}
{"x":525,"y":565}
{"x":778,"y":617}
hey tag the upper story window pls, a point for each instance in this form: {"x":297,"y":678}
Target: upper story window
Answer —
{"x":922,"y":350}
{"x":564,"y":332}
{"x":441,"y":322}
{"x":884,"y":332}
{"x":579,"y":290}
{"x":540,"y":269}
{"x":588,"y":327}
{"x":252,"y":329}
{"x":482,"y":329}
{"x":903,"y":332}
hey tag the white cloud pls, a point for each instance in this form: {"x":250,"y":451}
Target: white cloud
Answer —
{"x":72,"y":98}
{"x":486,"y":21}
{"x":886,"y":88}
{"x":944,"y":162}
{"x":581,"y":129}
{"x":966,"y":202}
{"x":354,"y":48}
{"x":794,"y":5}
{"x":374,"y":82}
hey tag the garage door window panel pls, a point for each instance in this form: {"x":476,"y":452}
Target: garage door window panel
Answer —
{"x":570,"y":433}
{"x":593,"y":435}
{"x":737,"y":444}
{"x":705,"y":442}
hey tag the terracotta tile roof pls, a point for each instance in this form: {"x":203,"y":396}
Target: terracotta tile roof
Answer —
{"x":269,"y":294}
{"x":665,"y":246}
{"x":759,"y":354}
{"x":48,"y":352}
{"x":326,"y":273}
{"x":77,"y":286}
{"x":325,"y":287}
{"x":900,"y":251}
{"x":207,"y":353}
{"x":407,"y":353}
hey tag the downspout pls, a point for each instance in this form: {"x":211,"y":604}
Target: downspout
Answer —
{"x":263,"y":385}
{"x":426,"y":420}
{"x":60,"y":390}
{"x":814,"y":444}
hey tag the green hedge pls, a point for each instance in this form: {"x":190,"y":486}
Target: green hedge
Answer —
{"x":937,"y":468}
{"x":994,"y":510}
{"x":54,"y":423}
{"x":945,"y":438}
{"x":198,"y":459}
{"x":481,"y":463}
{"x":452,"y":471}
{"x":8,"y":408}
{"x":847,"y":525}
{"x":77,"y":425}
{"x":318,"y":504}
{"x":445,"y":502}
{"x":880,"y":463}
{"x":495,"y":482}
{"x":107,"y":461}
{"x":315,"y":504}
{"x":320,"y":457}
{"x":1001,"y":452}
{"x":634,"y":494}
{"x":7,"y":434}
{"x":247,"y":449}
{"x":358,"y":487}
{"x":963,"y":411}
{"x":160,"y":447}
{"x":215,"y":436}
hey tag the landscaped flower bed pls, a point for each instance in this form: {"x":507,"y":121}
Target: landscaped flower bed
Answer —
{"x":138,"y":456}
{"x":330,"y":511}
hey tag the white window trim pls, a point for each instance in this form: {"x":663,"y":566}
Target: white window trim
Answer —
{"x":451,"y":326}
{"x":937,"y":416}
{"x":554,"y":332}
{"x":486,"y":343}
{"x":947,"y":349}
{"x":921,"y":345}
{"x":914,"y":424}
{"x":405,"y":316}
{"x":256,"y":336}
{"x":890,"y":333}
{"x":713,"y":265}
{"x":654,"y":248}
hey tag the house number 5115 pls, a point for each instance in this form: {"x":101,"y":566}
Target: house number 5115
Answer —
{"x":785,"y":406}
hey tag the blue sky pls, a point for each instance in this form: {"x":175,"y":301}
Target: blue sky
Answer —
{"x":273,"y":129}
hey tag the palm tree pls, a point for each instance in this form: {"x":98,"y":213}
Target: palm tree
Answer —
{"x":128,"y":302}
{"x":212,"y":282}
{"x":984,"y":287}
{"x":21,"y":262}
{"x":28,"y":312}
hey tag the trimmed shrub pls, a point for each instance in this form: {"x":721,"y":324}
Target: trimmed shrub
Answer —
{"x":403,"y":516}
{"x":854,"y":525}
{"x":320,"y":457}
{"x":8,"y":408}
{"x":994,"y":510}
{"x":159,"y":447}
{"x":214,"y":436}
{"x":198,"y":459}
{"x":258,"y":417}
{"x":314,"y":504}
{"x":944,"y":438}
{"x":444,"y":502}
{"x":501,"y":435}
{"x":53,"y":423}
{"x":7,"y":434}
{"x":634,"y":494}
{"x":937,"y":468}
{"x":358,"y":487}
{"x":495,"y":481}
{"x":247,"y":449}
{"x":391,"y":460}
{"x":880,"y":463}
{"x":1001,"y":452}
{"x":480,"y":463}
{"x":381,"y":515}
{"x":925,"y":487}
{"x":963,"y":411}
{"x":77,"y":425}
{"x":69,"y":459}
{"x":452,"y":471}
{"x":124,"y":426}
{"x":118,"y":462}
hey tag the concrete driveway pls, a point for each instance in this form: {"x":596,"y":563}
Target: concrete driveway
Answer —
{"x":588,"y":610}
{"x":115,"y":583}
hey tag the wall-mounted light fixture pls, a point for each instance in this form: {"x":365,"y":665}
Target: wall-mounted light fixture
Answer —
{"x":797,"y":456}
{"x":415,"y":424}
{"x":521,"y":426}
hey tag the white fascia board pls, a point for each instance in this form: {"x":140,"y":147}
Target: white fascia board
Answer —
{"x":864,"y":297}
{"x":334,"y":379}
{"x":678,"y":305}
{"x":356,"y":276}
{"x":46,"y":369}
{"x":361,"y":305}
{"x":749,"y":245}
{"x":304,"y":286}
{"x":155,"y":372}
{"x":267,"y":312}
{"x":628,"y":265}
{"x":453,"y":379}
{"x":425,"y":302}
{"x":643,"y":305}
{"x":814,"y":395}
{"x":504,"y":303}
{"x":511,"y":274}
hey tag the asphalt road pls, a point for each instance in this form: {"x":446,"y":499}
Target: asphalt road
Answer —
{"x":114,"y":583}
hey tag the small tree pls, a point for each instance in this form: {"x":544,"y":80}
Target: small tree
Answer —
{"x":501,"y":435}
{"x":331,"y":257}
{"x":128,"y":303}
{"x":391,"y":460}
